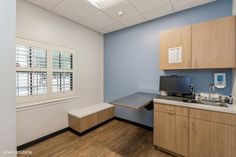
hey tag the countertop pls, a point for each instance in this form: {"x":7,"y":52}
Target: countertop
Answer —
{"x":135,"y":101}
{"x":230,"y":109}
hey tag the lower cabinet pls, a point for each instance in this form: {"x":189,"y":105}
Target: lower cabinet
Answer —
{"x":171,"y":132}
{"x":233,"y":145}
{"x":193,"y":132}
{"x":225,"y":137}
{"x":201,"y":138}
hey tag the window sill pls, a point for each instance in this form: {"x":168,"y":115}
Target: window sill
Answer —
{"x":28,"y":106}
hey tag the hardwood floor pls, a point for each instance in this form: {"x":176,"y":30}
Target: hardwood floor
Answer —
{"x":114,"y":139}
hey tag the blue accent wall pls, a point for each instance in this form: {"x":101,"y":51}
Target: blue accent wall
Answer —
{"x":132,"y":58}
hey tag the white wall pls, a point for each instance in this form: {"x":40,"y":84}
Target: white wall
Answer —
{"x":7,"y":79}
{"x":234,"y":70}
{"x":41,"y":25}
{"x":234,"y":7}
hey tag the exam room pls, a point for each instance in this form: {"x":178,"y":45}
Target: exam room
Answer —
{"x":118,"y":78}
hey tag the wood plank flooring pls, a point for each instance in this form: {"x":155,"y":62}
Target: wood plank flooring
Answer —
{"x":114,"y":139}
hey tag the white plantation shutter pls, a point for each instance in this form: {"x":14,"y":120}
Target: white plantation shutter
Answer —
{"x":22,"y":56}
{"x":31,"y":75}
{"x":27,"y":56}
{"x":42,"y":71}
{"x":62,"y":60}
{"x":62,"y":82}
{"x":22,"y":83}
{"x":39,"y":83}
{"x":62,"y":71}
{"x":39,"y":57}
{"x":31,"y":83}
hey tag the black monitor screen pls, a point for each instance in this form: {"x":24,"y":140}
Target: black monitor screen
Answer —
{"x":175,"y":84}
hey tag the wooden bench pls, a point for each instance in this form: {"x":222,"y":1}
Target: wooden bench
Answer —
{"x":85,"y":118}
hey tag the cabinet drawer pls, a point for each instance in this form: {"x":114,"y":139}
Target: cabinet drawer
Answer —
{"x":171,"y":109}
{"x":225,"y":118}
{"x":202,"y":114}
{"x":233,"y":119}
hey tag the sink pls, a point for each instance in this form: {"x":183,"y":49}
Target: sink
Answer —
{"x":217,"y":104}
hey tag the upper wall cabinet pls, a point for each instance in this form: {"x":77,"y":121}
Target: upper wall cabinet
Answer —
{"x":213,"y":44}
{"x":176,"y":48}
{"x":201,"y":46}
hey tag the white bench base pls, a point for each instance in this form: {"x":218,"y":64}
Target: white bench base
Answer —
{"x":85,"y":118}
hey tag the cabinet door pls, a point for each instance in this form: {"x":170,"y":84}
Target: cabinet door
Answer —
{"x":180,"y":37}
{"x":225,"y":140}
{"x":201,"y":138}
{"x":213,"y":44}
{"x":233,"y":140}
{"x":171,"y":132}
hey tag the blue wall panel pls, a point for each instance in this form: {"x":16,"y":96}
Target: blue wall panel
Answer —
{"x":132,"y":58}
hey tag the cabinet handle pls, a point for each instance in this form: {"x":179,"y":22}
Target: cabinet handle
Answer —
{"x":170,"y":113}
{"x":170,"y":110}
{"x":185,"y":124}
{"x":193,"y":127}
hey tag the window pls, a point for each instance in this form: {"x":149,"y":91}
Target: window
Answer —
{"x":31,"y":83}
{"x":43,"y":71}
{"x":33,"y":57}
{"x":31,"y":75}
{"x":62,"y":82}
{"x":62,"y":64}
{"x":62,"y":60}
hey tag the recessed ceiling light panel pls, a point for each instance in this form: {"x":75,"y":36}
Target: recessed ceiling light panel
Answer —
{"x":104,"y":4}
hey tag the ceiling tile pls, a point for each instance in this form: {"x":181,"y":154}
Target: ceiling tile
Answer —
{"x":185,"y":4}
{"x":158,"y":12}
{"x":126,"y":7}
{"x":78,"y":8}
{"x":99,"y":19}
{"x":145,"y":5}
{"x":66,"y":14}
{"x":44,"y":3}
{"x":55,"y":2}
{"x":108,"y":20}
{"x":132,"y":21}
{"x":88,"y":24}
{"x":113,"y":27}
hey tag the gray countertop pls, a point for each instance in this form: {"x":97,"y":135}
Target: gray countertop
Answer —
{"x":135,"y":101}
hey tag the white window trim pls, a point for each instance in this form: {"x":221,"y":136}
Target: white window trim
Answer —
{"x":39,"y":104}
{"x":49,"y":97}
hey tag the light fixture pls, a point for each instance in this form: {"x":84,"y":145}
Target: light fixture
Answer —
{"x":120,"y":13}
{"x":104,"y":4}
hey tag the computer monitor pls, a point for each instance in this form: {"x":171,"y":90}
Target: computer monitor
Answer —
{"x":175,"y":84}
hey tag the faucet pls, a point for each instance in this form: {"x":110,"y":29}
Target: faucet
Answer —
{"x":211,"y":91}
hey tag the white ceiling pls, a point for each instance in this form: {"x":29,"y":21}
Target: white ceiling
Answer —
{"x":108,"y":20}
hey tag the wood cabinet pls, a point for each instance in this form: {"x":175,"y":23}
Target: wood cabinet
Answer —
{"x":224,"y":140}
{"x":213,"y":44}
{"x":180,"y":37}
{"x":170,"y":130}
{"x":233,"y":144}
{"x":201,"y":138}
{"x":194,"y":132}
{"x":225,"y":130}
{"x":205,"y":45}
